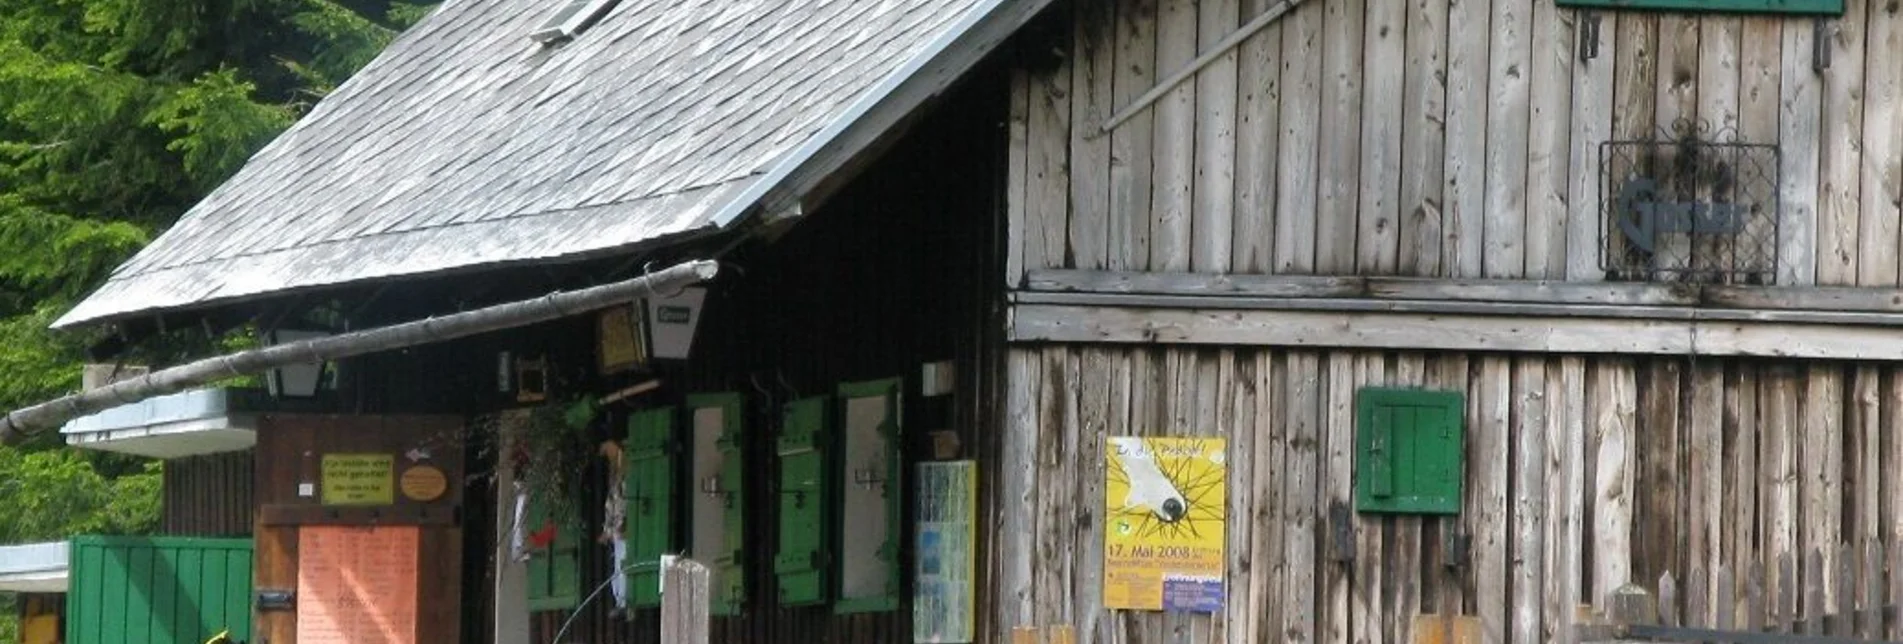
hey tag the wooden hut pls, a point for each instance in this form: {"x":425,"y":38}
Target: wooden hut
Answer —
{"x":1472,"y":312}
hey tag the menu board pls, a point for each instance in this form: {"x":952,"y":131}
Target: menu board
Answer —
{"x":356,"y":585}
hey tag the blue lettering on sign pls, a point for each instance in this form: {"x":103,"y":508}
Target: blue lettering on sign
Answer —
{"x":1643,"y":217}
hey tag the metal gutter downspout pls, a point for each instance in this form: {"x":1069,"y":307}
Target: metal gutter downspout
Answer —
{"x":17,"y":424}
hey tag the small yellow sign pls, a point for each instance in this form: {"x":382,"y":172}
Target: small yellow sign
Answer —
{"x":359,"y":479}
{"x":423,"y":483}
{"x":1165,"y":509}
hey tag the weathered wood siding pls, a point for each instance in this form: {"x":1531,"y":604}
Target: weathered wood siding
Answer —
{"x":209,"y":496}
{"x":1581,"y":473}
{"x":1436,"y":138}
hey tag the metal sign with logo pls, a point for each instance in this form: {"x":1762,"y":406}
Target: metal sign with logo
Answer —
{"x":1690,"y":205}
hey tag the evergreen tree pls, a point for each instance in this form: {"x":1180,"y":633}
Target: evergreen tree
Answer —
{"x":115,"y":117}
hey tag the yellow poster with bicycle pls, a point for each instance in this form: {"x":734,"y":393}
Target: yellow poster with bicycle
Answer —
{"x":1164,"y":523}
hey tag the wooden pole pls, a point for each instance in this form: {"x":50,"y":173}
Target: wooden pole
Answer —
{"x":684,"y":603}
{"x":17,"y":424}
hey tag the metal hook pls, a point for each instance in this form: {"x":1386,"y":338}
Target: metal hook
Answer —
{"x":791,"y":393}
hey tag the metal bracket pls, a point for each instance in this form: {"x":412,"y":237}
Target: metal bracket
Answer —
{"x":1588,"y":36}
{"x":1820,"y":45}
{"x":1341,"y":529}
{"x":1456,"y":548}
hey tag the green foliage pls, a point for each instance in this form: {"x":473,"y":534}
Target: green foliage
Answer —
{"x":115,"y":117}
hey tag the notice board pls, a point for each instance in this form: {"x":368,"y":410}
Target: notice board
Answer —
{"x":357,"y":585}
{"x":1164,"y":524}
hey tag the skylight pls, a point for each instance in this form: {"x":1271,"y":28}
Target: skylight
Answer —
{"x":570,"y":20}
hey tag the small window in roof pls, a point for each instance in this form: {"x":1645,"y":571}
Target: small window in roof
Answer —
{"x":573,"y":17}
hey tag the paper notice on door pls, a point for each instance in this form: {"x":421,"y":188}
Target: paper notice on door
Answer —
{"x":356,"y":585}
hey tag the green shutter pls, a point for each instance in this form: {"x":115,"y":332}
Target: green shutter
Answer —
{"x":800,"y":563}
{"x":555,"y":572}
{"x":650,"y":497}
{"x":1408,"y":456}
{"x":1828,"y":7}
{"x":872,"y":493}
{"x":728,"y":559}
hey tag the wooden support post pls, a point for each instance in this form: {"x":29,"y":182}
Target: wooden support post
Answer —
{"x":684,"y":603}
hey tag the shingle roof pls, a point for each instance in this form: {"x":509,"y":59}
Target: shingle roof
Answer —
{"x":466,"y":144}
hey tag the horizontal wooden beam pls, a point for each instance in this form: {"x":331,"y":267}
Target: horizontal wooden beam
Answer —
{"x":1460,"y":307}
{"x":1450,"y":332}
{"x":1763,"y":298}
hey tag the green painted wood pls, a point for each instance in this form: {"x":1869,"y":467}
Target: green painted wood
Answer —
{"x":1825,"y":7}
{"x":800,"y":564}
{"x":554,"y":573}
{"x":158,"y":590}
{"x":887,"y":553}
{"x":1408,"y":451}
{"x":730,"y":590}
{"x":652,"y":461}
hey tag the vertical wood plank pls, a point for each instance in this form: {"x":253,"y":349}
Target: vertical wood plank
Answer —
{"x":1269,"y":559}
{"x":1634,"y":85}
{"x":1299,"y":512}
{"x":1660,"y":520}
{"x":1870,"y":621}
{"x":1882,"y":180}
{"x":1259,"y":108}
{"x":1760,"y":67}
{"x":1549,"y":142}
{"x":1719,"y":50}
{"x":1094,"y":412}
{"x":1527,"y":551}
{"x":1093,"y":75}
{"x":1863,"y":482}
{"x":1016,"y":534}
{"x":1839,"y":144}
{"x":1215,"y":189}
{"x":1741,"y":430}
{"x":1373,"y":567}
{"x":1508,"y":88}
{"x":1047,"y":220}
{"x":1050,"y":588}
{"x":1131,"y":153}
{"x":1452,"y":582}
{"x":1382,"y":88}
{"x":1298,"y":155}
{"x":1677,"y":107}
{"x":1704,"y":506}
{"x":1172,"y":177}
{"x":1214,"y":416}
{"x":1405,"y":569}
{"x":1239,"y":412}
{"x":1724,"y":601}
{"x":1566,"y":429}
{"x":1821,"y":447}
{"x":1697,"y":597}
{"x":1891,"y":461}
{"x":1800,"y":106}
{"x":1592,"y":98}
{"x":1466,"y":160}
{"x":1489,"y":457}
{"x":1423,"y":133}
{"x":1340,"y":163}
{"x":1778,"y":489}
{"x":1337,"y":483}
{"x":1118,"y":422}
{"x":1015,"y":184}
{"x":1614,"y":406}
{"x":1180,"y":398}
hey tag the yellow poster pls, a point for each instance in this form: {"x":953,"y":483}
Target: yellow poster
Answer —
{"x":1164,"y":522}
{"x":359,"y":479}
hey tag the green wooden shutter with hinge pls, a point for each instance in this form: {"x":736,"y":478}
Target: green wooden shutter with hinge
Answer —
{"x":1408,"y":456}
{"x":554,"y":571}
{"x":871,"y":478}
{"x":720,"y":499}
{"x":649,"y":493}
{"x":800,"y":564}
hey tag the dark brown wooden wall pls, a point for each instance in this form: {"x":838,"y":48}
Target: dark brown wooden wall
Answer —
{"x":208,"y":496}
{"x":896,"y":271}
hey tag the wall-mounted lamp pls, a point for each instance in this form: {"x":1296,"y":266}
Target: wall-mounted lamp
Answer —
{"x":295,"y":381}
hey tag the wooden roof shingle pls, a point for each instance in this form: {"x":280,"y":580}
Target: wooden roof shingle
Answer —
{"x":466,"y":144}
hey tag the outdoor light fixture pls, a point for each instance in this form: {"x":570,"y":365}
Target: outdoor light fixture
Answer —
{"x":295,"y":381}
